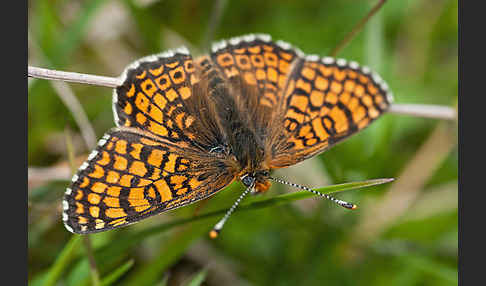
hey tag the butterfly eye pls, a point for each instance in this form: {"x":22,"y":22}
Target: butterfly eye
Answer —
{"x":248,"y":180}
{"x":218,"y":149}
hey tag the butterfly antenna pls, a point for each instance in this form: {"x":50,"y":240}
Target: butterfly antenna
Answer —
{"x":339,"y":202}
{"x":217,"y":227}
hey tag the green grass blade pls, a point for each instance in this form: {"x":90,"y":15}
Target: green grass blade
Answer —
{"x":63,"y":260}
{"x":171,"y":251}
{"x":115,"y":275}
{"x":257,"y":203}
{"x":176,"y":245}
{"x":252,"y":203}
{"x":122,"y":245}
{"x":198,"y":278}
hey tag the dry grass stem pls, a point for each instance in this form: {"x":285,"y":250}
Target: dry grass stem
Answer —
{"x":416,"y":110}
{"x":424,"y":110}
{"x":42,"y":73}
{"x":359,"y":26}
{"x":37,"y":176}
{"x":214,"y":21}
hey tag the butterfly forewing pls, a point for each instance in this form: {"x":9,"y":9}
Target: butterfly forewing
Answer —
{"x":325,"y":101}
{"x":154,"y":94}
{"x":257,"y":70}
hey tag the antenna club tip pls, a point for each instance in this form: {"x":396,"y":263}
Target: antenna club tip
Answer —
{"x":349,"y":206}
{"x":213,"y":234}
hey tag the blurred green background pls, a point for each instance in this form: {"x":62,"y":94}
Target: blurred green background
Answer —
{"x":404,"y":233}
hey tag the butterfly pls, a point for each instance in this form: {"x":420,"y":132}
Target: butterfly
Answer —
{"x":186,"y":128}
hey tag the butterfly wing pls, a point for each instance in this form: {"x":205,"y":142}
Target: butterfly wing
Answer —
{"x":132,"y":175}
{"x":299,"y":105}
{"x":325,"y":101}
{"x":163,"y":95}
{"x":256,"y":69}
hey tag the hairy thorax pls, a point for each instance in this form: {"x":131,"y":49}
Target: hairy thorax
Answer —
{"x":250,"y":158}
{"x":241,"y":143}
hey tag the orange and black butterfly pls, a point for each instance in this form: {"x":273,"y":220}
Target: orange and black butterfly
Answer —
{"x":186,"y":128}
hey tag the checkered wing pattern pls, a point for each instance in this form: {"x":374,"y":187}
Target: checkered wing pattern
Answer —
{"x":132,"y":175}
{"x":325,"y":101}
{"x":187,"y":129}
{"x":154,"y":96}
{"x":256,"y":69}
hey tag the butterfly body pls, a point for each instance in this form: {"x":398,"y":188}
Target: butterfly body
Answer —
{"x":239,"y":145}
{"x":186,"y":127}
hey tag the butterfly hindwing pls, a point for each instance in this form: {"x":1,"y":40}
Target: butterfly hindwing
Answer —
{"x":325,"y":101}
{"x":132,"y":175}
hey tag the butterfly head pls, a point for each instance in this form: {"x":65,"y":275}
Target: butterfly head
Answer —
{"x":259,"y":179}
